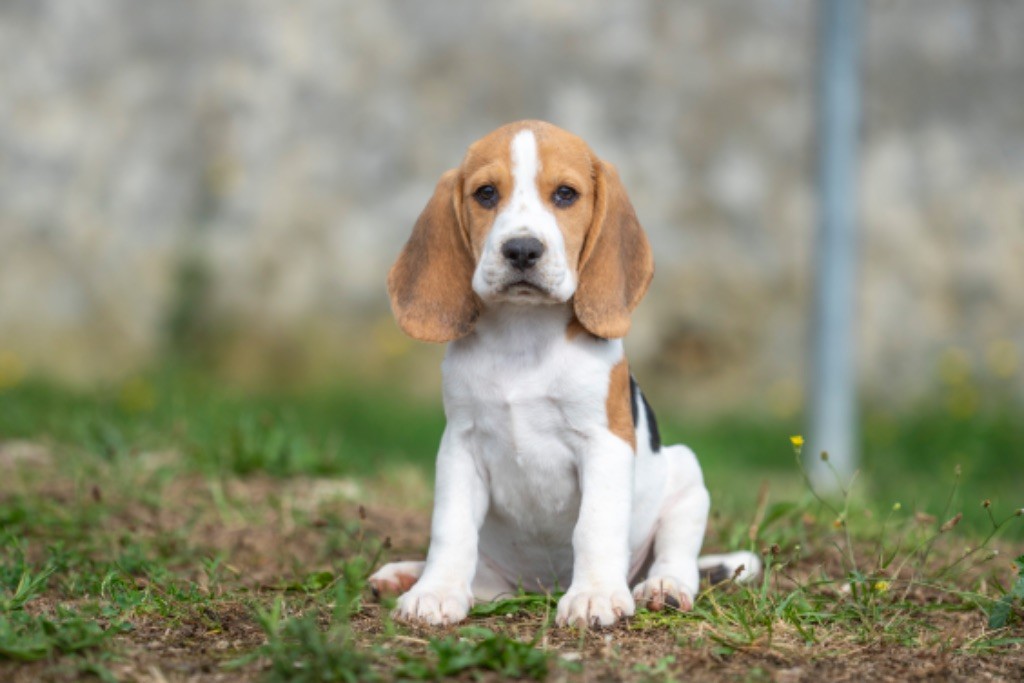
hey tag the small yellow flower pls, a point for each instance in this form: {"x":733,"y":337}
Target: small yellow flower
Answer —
{"x":797,"y":441}
{"x":881,"y":586}
{"x":896,"y":506}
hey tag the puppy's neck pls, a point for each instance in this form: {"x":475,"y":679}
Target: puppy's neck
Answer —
{"x":518,"y":329}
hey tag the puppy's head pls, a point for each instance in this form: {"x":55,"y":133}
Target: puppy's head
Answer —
{"x":531,"y":216}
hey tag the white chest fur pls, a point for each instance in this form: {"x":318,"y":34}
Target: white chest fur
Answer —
{"x":528,"y":402}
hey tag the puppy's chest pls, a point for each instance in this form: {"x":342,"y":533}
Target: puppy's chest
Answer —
{"x":528,"y":420}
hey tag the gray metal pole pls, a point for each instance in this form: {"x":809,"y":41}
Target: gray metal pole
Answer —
{"x":833,"y":394}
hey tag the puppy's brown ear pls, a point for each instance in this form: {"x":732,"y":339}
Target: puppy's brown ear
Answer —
{"x":430,"y":285}
{"x":616,"y":264}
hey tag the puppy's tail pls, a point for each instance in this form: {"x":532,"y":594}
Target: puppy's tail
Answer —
{"x":742,"y":566}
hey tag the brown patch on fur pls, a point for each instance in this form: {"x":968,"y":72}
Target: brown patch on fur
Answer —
{"x":616,"y":265}
{"x":567,"y":160}
{"x":488,"y":161}
{"x":617,"y":405}
{"x":430,"y":283}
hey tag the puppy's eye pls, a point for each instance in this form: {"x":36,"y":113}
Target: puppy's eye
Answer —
{"x":487,"y":196}
{"x":565,"y":196}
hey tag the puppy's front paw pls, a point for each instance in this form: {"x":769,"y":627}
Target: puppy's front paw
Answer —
{"x":658,"y":592}
{"x":594,"y":607}
{"x":434,"y":606}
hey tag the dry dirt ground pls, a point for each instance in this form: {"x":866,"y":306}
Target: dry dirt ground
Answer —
{"x":273,"y":533}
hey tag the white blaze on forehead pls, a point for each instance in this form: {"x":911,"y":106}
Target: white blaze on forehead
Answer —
{"x":525,"y":167}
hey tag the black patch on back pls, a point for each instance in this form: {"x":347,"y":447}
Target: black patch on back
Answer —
{"x":636,"y":395}
{"x":652,"y":425}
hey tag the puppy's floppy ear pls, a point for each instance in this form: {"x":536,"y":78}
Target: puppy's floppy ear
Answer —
{"x":430,"y":285}
{"x":616,"y":264}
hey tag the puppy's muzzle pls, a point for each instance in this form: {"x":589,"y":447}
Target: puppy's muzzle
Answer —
{"x":522,"y":253}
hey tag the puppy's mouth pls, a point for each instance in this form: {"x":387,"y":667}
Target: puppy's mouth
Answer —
{"x":524,"y":289}
{"x":523,"y":286}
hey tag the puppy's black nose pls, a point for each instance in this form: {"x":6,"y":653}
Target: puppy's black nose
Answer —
{"x":523,"y":252}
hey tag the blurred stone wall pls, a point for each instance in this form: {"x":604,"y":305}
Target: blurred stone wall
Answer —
{"x":246,"y":171}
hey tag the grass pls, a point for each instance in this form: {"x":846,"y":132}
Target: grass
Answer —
{"x":345,"y":431}
{"x":174,"y":525}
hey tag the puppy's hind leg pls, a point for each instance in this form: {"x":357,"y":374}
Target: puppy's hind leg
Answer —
{"x":742,"y":566}
{"x":673,"y":577}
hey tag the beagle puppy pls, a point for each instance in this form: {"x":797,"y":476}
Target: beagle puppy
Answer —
{"x":551,"y":474}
